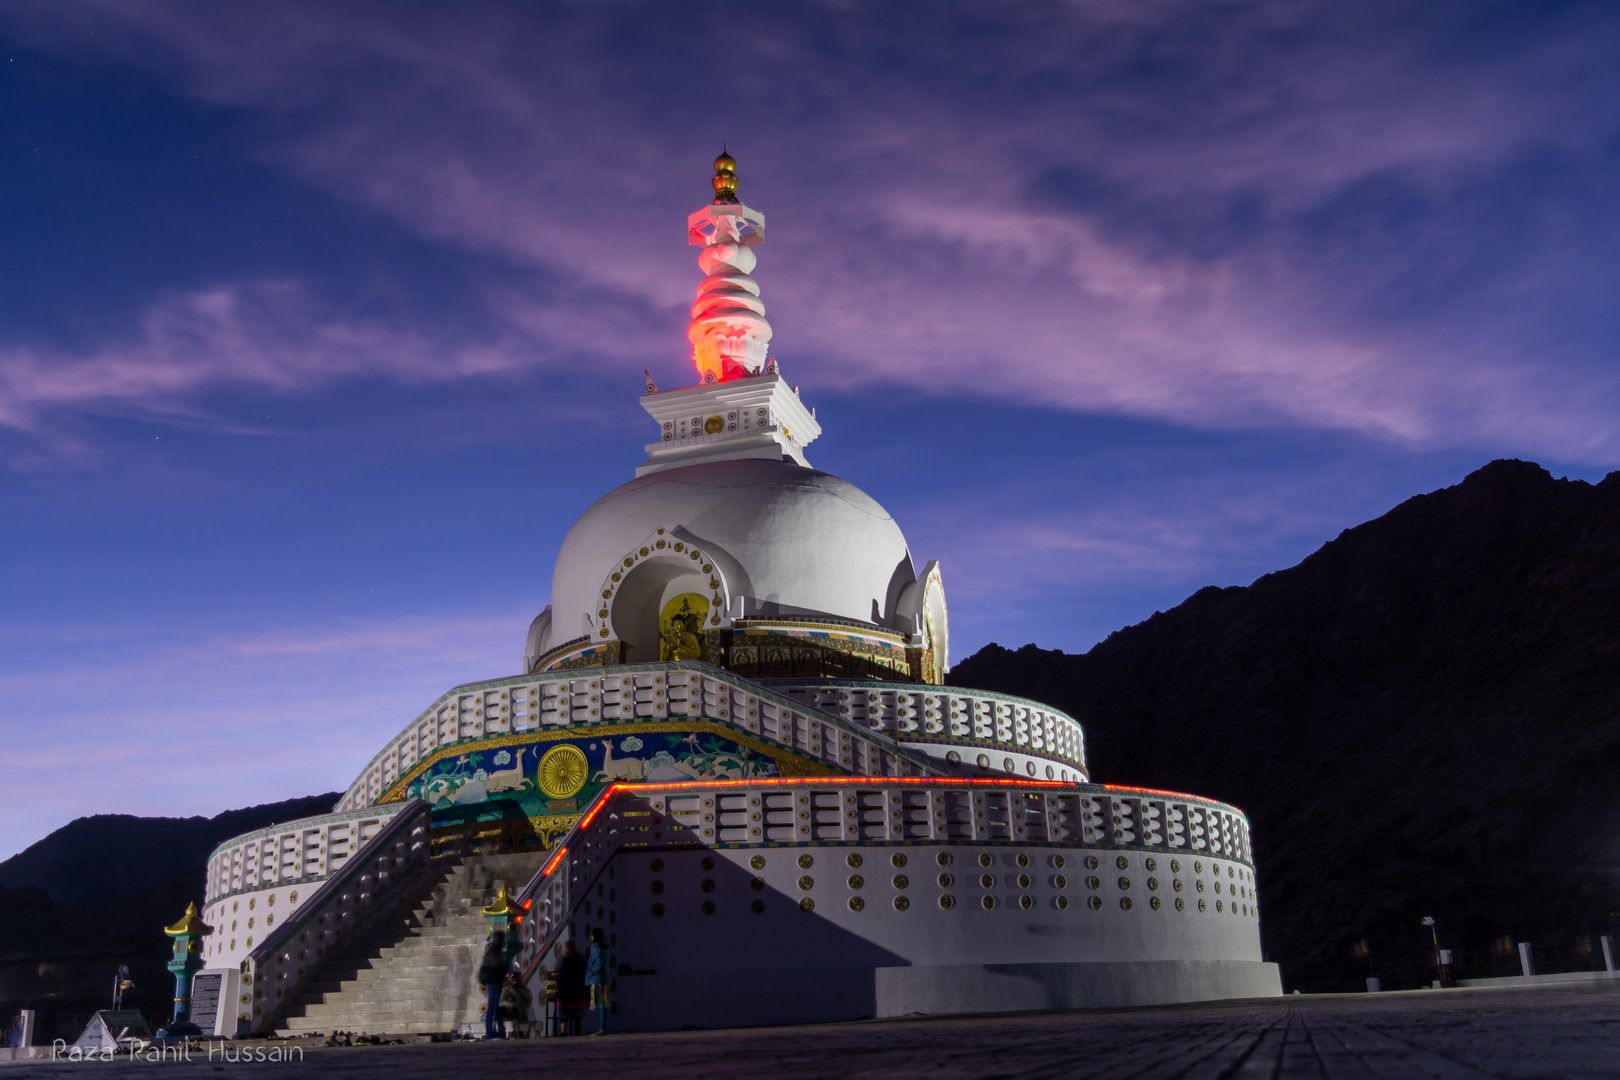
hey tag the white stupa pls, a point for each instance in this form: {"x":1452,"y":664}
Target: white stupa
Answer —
{"x":730,"y":751}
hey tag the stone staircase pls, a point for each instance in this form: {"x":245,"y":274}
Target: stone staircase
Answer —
{"x":416,"y":970}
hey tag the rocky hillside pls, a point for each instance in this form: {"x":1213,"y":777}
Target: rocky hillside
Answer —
{"x":97,"y":893}
{"x":1422,"y":718}
{"x":133,"y":854}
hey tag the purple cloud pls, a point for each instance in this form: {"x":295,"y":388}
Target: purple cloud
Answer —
{"x":275,"y":337}
{"x":913,"y":243}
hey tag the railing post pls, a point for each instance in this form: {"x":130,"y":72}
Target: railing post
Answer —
{"x":1525,"y":960}
{"x":1608,"y":953}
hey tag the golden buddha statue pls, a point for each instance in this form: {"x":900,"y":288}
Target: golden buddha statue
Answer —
{"x":680,"y":629}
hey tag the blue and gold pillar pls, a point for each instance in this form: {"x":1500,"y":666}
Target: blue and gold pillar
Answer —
{"x":187,"y":933}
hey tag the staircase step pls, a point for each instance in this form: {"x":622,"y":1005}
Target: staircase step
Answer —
{"x":424,"y":1007}
{"x":413,"y":969}
{"x":392,"y":986}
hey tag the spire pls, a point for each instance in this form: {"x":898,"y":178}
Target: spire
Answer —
{"x":742,"y":408}
{"x":729,"y":333}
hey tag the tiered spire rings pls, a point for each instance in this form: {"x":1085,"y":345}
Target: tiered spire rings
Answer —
{"x":729,"y":333}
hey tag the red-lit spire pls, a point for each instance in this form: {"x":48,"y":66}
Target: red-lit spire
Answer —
{"x":729,"y":333}
{"x":742,"y":408}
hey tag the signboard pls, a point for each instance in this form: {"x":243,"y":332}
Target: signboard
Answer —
{"x":205,"y":1001}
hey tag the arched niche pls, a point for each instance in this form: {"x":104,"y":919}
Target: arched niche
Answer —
{"x":662,"y":599}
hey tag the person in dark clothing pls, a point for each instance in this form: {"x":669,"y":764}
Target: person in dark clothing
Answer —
{"x":491,"y":976}
{"x":572,"y":997}
{"x":599,"y":977}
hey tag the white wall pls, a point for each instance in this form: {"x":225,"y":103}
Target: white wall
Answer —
{"x":1057,"y":935}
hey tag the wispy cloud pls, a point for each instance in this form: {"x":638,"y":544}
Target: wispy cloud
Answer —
{"x":1104,"y":208}
{"x":272,"y":336}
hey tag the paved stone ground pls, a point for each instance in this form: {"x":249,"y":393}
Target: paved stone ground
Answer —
{"x":1543,"y":1031}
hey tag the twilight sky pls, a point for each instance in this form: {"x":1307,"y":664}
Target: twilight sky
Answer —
{"x":320,"y":323}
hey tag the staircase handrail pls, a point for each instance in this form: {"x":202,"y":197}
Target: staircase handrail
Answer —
{"x":570,"y":845}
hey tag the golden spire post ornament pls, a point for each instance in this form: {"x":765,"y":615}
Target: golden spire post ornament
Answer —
{"x":725,"y":179}
{"x":502,"y":906}
{"x":187,"y":932}
{"x":504,"y":919}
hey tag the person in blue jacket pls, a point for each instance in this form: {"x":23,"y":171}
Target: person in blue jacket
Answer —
{"x":599,"y":977}
{"x":491,"y":976}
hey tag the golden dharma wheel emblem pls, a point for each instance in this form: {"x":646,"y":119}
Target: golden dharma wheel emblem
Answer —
{"x":563,"y":771}
{"x":713,"y":425}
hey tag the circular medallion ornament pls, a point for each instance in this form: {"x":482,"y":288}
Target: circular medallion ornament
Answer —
{"x":563,"y":771}
{"x":713,"y":425}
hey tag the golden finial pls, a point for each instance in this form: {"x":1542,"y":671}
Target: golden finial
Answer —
{"x":189,"y":923}
{"x":725,"y":178}
{"x":502,"y":904}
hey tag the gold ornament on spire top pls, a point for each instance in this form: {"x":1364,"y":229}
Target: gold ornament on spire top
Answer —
{"x":725,"y":178}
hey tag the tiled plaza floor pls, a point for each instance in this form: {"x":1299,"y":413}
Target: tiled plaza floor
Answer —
{"x":1544,"y":1031}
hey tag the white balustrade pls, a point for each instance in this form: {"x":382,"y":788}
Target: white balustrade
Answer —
{"x":583,"y":699}
{"x":292,"y":853}
{"x":852,"y":726}
{"x":979,"y":720}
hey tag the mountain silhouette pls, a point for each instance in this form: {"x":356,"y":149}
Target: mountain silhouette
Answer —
{"x":1420,"y":719}
{"x":97,"y":893}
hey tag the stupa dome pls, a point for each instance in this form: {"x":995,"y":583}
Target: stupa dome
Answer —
{"x":783,"y":540}
{"x":728,"y":548}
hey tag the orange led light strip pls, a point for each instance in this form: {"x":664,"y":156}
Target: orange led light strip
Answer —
{"x":867,"y":781}
{"x":556,"y":857}
{"x":596,"y":807}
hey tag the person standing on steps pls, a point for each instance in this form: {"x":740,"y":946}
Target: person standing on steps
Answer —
{"x":573,"y":998}
{"x":491,"y":975}
{"x":599,"y":977}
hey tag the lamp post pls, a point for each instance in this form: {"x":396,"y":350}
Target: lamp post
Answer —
{"x":1442,"y":975}
{"x":187,"y":933}
{"x":118,"y":985}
